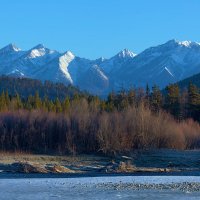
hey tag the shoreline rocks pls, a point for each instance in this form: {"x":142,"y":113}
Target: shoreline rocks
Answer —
{"x":109,"y":168}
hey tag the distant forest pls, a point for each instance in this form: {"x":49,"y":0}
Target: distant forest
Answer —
{"x":41,"y":117}
{"x":26,"y":87}
{"x":195,"y":79}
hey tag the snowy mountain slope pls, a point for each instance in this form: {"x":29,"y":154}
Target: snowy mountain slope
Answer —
{"x":56,"y":70}
{"x":31,"y":61}
{"x":8,"y":54}
{"x":66,"y":68}
{"x":94,"y":80}
{"x":113,"y":64}
{"x":161,"y":65}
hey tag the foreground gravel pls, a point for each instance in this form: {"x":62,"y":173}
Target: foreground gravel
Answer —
{"x":184,"y":187}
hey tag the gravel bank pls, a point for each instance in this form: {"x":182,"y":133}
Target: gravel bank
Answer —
{"x":184,"y":187}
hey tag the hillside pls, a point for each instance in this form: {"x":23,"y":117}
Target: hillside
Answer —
{"x":193,"y":79}
{"x":160,"y":65}
{"x":25,"y":87}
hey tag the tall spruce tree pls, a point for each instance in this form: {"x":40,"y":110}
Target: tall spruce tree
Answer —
{"x":172,"y":101}
{"x":131,"y":97}
{"x":156,"y":99}
{"x":66,"y":104}
{"x":58,"y":106}
{"x":37,"y":101}
{"x":193,"y":102}
{"x":3,"y":104}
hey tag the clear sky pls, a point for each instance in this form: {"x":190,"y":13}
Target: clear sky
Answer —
{"x":94,"y":28}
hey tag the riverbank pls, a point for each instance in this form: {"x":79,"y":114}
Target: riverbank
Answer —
{"x":166,"y":162}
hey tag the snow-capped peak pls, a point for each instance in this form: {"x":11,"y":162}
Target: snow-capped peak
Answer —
{"x":188,"y":43}
{"x":171,"y":43}
{"x":37,"y":53}
{"x":39,"y":46}
{"x":10,"y":48}
{"x":65,"y":60}
{"x":101,"y":59}
{"x":161,"y":65}
{"x":185,"y":43}
{"x":40,"y":50}
{"x":69,"y":54}
{"x":126,"y":53}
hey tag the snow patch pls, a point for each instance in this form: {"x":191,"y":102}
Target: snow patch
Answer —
{"x":188,"y":43}
{"x":168,"y":71}
{"x":126,"y":53}
{"x":37,"y":53}
{"x":64,"y":62}
{"x":16,"y":71}
{"x":10,"y":48}
{"x":101,"y":74}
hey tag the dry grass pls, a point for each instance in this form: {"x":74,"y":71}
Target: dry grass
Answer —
{"x":9,"y":157}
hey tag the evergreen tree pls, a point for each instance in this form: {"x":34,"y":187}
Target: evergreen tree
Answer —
{"x":122,"y":100}
{"x":147,"y":96}
{"x":193,"y":102}
{"x":183,"y":104}
{"x":3,"y":105}
{"x":66,"y":104}
{"x":18,"y":102}
{"x":58,"y":106}
{"x":103,"y":105}
{"x":131,"y":97}
{"x":156,"y":99}
{"x":29,"y":102}
{"x":45,"y":103}
{"x":7,"y":98}
{"x":147,"y":93}
{"x":111,"y":101}
{"x":172,"y":102}
{"x":51,"y":106}
{"x":37,"y":101}
{"x":94,"y":103}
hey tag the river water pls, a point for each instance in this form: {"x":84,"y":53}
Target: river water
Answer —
{"x":120,"y":187}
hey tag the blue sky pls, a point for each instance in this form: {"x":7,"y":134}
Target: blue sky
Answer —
{"x":94,"y":28}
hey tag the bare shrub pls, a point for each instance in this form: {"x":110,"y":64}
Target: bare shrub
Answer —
{"x":86,"y":130}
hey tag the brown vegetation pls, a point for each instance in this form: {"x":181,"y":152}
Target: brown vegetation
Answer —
{"x":125,"y":121}
{"x":83,"y":130}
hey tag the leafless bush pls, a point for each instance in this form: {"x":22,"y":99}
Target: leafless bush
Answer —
{"x":86,"y":130}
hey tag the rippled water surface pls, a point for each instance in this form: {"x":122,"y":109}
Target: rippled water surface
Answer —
{"x":125,"y":187}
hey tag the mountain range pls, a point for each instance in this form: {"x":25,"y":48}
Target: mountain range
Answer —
{"x":160,"y":65}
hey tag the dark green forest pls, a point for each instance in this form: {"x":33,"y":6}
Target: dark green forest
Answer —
{"x":26,"y":87}
{"x":195,"y":79}
{"x":45,"y":117}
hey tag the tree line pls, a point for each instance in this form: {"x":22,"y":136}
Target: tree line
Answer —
{"x":126,"y":120}
{"x":25,"y":87}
